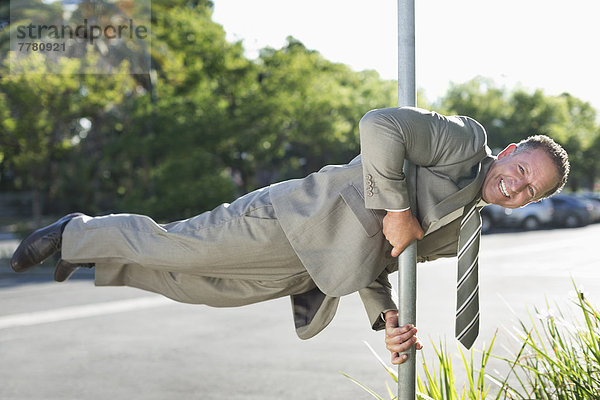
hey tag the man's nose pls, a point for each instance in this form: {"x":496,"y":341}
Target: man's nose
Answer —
{"x":519,"y":185}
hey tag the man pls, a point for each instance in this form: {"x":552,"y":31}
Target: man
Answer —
{"x":335,"y":232}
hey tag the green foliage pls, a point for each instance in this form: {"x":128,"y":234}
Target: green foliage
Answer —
{"x":444,"y":386}
{"x":510,"y":116}
{"x":304,"y":113}
{"x":208,"y":124}
{"x":41,"y":122}
{"x":431,"y":386}
{"x":558,"y":359}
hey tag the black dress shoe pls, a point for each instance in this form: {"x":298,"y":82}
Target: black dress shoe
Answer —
{"x":40,"y":245}
{"x":64,"y":270}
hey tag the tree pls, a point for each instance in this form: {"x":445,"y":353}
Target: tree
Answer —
{"x":303,"y":114}
{"x":480,"y":99}
{"x":510,"y":116}
{"x":42,"y":121}
{"x":207,"y":124}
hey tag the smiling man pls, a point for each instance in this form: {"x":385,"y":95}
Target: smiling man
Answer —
{"x":332,"y":233}
{"x":523,"y":173}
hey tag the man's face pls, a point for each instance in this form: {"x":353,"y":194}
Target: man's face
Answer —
{"x":515,"y":180}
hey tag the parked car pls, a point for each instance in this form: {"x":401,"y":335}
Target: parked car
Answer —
{"x":531,"y":216}
{"x":593,"y":201}
{"x":570,"y":212}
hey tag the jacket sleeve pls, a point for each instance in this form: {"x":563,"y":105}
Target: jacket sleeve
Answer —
{"x":377,"y":298}
{"x":389,"y":136}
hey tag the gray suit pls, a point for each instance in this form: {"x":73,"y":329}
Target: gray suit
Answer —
{"x":315,"y":239}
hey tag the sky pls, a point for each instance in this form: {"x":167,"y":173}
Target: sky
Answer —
{"x":532,"y":44}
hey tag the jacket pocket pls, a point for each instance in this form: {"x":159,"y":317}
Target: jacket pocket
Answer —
{"x":367,"y":218}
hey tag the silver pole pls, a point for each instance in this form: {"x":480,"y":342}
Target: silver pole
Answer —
{"x":407,"y":261}
{"x":407,"y":90}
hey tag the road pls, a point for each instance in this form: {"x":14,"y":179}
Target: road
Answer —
{"x":74,"y":341}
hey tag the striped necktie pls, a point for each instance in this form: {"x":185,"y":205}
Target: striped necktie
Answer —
{"x":467,"y":285}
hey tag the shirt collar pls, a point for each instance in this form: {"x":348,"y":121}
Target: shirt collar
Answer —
{"x":482,"y":203}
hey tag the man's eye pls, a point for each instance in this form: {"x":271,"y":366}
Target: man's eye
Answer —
{"x":521,"y":169}
{"x":531,"y":191}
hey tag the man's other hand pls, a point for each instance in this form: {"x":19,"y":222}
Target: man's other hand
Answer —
{"x":399,"y":339}
{"x":400,"y":229}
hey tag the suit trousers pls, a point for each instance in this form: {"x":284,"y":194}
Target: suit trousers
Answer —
{"x":234,"y":255}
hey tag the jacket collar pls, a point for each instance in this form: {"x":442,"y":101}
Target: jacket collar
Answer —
{"x":452,"y":206}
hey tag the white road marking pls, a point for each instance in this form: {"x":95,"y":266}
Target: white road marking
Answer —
{"x":83,"y":311}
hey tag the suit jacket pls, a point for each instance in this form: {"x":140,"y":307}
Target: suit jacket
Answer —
{"x":333,"y":218}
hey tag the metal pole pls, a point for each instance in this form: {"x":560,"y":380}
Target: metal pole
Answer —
{"x":407,"y":261}
{"x":407,"y":90}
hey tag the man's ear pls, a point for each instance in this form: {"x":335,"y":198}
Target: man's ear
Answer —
{"x":508,"y":150}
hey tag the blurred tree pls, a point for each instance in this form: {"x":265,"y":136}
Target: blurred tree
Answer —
{"x":207,"y":124}
{"x":171,"y":143}
{"x":581,"y":135}
{"x":42,"y":121}
{"x":480,"y":99}
{"x":510,"y":116}
{"x":304,"y":114}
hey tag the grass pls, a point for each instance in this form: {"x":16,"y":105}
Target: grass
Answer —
{"x":558,"y":358}
{"x":432,"y":385}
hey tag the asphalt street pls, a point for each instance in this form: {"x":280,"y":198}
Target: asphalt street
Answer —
{"x":75,"y":341}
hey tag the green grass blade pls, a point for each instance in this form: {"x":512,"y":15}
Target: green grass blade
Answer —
{"x":365,"y":388}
